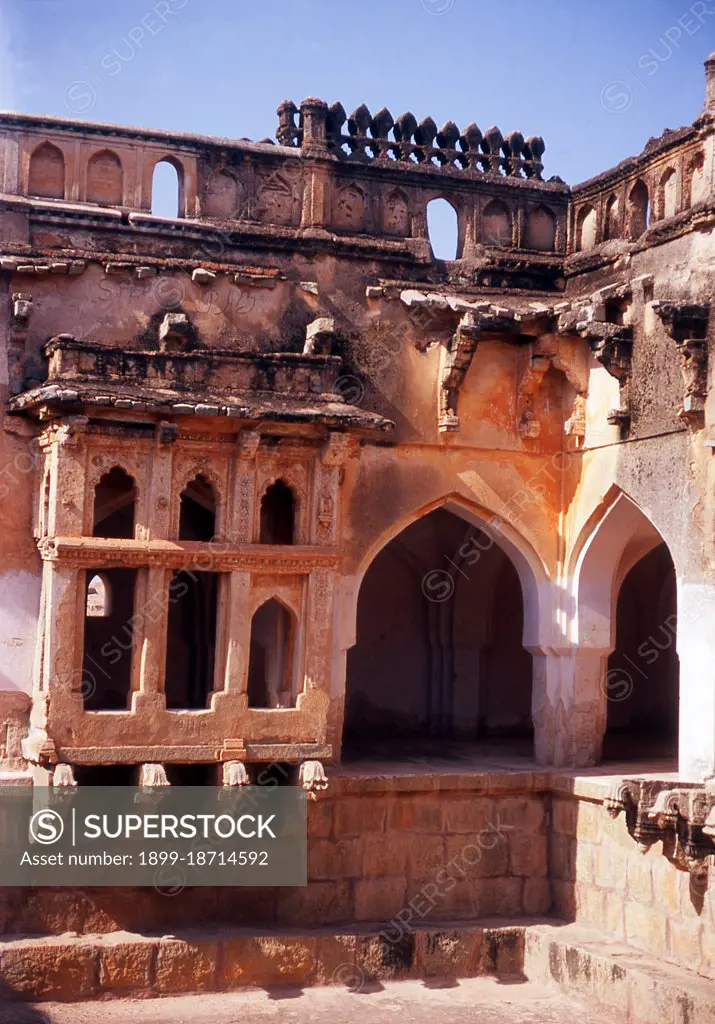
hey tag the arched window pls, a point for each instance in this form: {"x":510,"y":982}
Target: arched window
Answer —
{"x":109,"y":639}
{"x":586,"y":228}
{"x":114,"y":502}
{"x":496,"y":225}
{"x":541,"y":230}
{"x":668,"y":194}
{"x":443,"y":229}
{"x":611,"y":227}
{"x":99,"y":597}
{"x":277,"y":515}
{"x":197,"y":515}
{"x":47,"y":173}
{"x":105,"y":179}
{"x":270,"y":666}
{"x":638,"y":210}
{"x":191,"y":639}
{"x":166,"y":190}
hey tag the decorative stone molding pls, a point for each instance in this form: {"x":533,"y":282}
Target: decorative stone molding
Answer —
{"x":63,"y":775}
{"x":151,"y":775}
{"x":88,"y":552}
{"x":687,"y":325}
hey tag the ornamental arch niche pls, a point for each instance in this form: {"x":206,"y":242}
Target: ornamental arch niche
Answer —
{"x":448,"y":623}
{"x":105,"y":184}
{"x":625,"y":626}
{"x":47,"y":173}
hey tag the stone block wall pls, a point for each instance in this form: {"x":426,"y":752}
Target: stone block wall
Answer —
{"x":601,"y":878}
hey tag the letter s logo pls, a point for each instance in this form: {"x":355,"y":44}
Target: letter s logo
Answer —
{"x":46,"y":827}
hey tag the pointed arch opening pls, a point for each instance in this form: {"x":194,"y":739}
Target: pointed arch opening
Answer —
{"x":668,"y":194}
{"x":642,"y":687}
{"x":611,"y":225}
{"x":278,"y":509}
{"x":586,"y":228}
{"x":439,"y":652}
{"x":272,"y":655}
{"x":114,"y":505}
{"x":626,"y":630}
{"x":638,"y":210}
{"x":443,"y":229}
{"x":99,"y":597}
{"x":47,"y":173}
{"x":197,"y":511}
{"x":167,"y":189}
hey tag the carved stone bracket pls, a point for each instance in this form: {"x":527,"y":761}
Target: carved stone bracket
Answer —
{"x":687,"y":325}
{"x":529,"y":384}
{"x":681,"y":815}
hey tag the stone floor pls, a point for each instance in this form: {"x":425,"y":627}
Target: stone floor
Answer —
{"x":473,"y":1001}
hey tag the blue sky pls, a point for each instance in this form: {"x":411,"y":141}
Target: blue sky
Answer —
{"x":595,"y":78}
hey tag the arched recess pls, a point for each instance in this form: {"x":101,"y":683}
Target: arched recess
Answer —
{"x":278,"y":514}
{"x":448,"y":611}
{"x":497,"y":225}
{"x":626,"y":676}
{"x":541,"y":229}
{"x":668,"y":194}
{"x":638,"y":210}
{"x":167,"y":188}
{"x":47,"y":172}
{"x":197,"y":510}
{"x":271,"y":664}
{"x":586,"y":228}
{"x":105,"y":181}
{"x":114,"y":505}
{"x":611,"y":226}
{"x":443,"y":229}
{"x":222,"y":196}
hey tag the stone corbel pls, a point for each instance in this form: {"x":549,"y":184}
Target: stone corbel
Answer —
{"x":529,"y":384}
{"x":248,"y":442}
{"x":687,"y":325}
{"x":456,"y":360}
{"x":337,"y":449}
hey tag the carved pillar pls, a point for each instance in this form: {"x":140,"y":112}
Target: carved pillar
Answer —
{"x":319,"y":640}
{"x":242,"y":527}
{"x":326,"y":502}
{"x":67,"y":480}
{"x":159,"y":505}
{"x":151,"y":619}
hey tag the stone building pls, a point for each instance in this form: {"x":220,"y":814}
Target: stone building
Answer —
{"x":281,"y":489}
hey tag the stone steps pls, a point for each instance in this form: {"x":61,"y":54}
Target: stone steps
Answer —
{"x":584,"y":964}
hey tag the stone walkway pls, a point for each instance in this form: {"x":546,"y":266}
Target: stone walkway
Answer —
{"x":473,"y":1001}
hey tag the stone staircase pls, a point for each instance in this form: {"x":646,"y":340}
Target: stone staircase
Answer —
{"x":584,"y":964}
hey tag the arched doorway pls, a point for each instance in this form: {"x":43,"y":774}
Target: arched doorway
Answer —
{"x":439,"y":644}
{"x":643,"y":669}
{"x":624,"y":701}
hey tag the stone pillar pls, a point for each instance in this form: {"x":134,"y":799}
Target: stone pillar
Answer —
{"x":319,"y":640}
{"x":696,"y":651}
{"x":57,"y":699}
{"x":569,"y":704}
{"x":710,"y":84}
{"x":314,"y":115}
{"x":242,"y":529}
{"x":238,"y":633}
{"x":151,"y":619}
{"x":159,"y":505}
{"x":67,"y":483}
